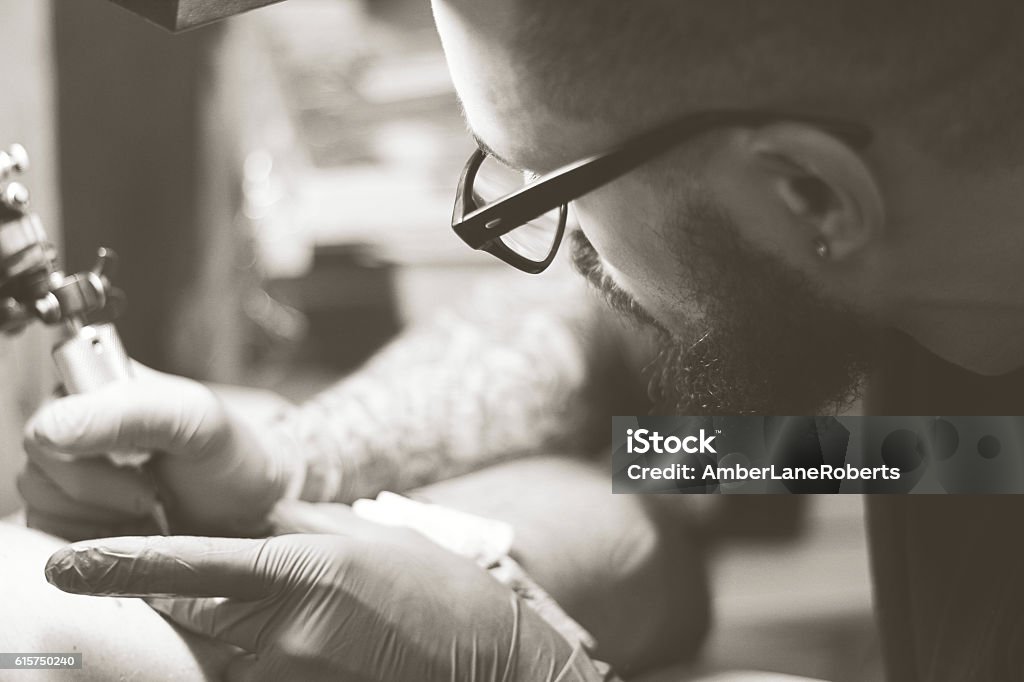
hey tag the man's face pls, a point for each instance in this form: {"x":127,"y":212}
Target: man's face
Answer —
{"x":741,"y":330}
{"x":762,"y":342}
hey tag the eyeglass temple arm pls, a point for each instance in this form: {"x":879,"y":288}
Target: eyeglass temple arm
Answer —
{"x":570,"y":182}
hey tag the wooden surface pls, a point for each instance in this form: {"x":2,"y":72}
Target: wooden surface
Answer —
{"x":26,"y":104}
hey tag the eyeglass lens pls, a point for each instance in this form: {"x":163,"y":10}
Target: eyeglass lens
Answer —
{"x":534,"y":240}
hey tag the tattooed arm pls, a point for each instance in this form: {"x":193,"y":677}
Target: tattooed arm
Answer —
{"x":513,"y":370}
{"x":535,"y":368}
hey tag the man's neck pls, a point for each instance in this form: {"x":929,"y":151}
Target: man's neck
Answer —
{"x":911,"y":380}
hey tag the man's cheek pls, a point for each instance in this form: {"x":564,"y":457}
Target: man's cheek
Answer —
{"x":642,"y":268}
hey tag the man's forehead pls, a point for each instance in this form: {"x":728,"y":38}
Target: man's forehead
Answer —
{"x":534,"y":138}
{"x":502,"y":95}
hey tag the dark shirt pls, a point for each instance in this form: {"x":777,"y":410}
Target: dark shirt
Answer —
{"x":948,"y":569}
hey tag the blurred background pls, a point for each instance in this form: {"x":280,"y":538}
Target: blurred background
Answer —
{"x":278,"y":186}
{"x":279,"y":189}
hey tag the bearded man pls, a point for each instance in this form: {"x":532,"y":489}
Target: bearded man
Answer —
{"x":797,"y":203}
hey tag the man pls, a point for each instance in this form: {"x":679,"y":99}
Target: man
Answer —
{"x":835,"y":185}
{"x":634,"y":578}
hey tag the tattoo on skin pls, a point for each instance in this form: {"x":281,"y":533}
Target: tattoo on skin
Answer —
{"x":527,"y":369}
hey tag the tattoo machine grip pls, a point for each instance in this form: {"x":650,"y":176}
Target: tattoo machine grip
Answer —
{"x":93,"y":357}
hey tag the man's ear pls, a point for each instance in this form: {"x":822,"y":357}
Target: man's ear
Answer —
{"x":824,"y":184}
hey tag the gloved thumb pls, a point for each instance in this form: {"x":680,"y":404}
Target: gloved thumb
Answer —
{"x":296,"y":516}
{"x":172,"y":415}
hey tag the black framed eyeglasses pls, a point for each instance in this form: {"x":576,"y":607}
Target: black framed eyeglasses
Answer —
{"x":522,"y":221}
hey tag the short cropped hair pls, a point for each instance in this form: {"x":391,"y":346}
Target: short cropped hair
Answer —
{"x":944,"y":73}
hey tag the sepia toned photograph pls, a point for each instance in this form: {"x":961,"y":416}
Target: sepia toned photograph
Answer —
{"x":511,"y":341}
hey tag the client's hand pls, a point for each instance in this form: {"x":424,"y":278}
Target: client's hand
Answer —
{"x":217,"y":471}
{"x":370,"y":603}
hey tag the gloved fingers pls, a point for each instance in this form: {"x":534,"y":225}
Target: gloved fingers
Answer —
{"x":42,"y":494}
{"x":247,"y":625}
{"x":174,"y":566}
{"x":239,"y":623}
{"x":295,"y":516}
{"x":275,"y":664}
{"x":244,"y":668}
{"x":74,"y":528}
{"x":59,"y":526}
{"x":176,"y":415}
{"x":96,"y":482}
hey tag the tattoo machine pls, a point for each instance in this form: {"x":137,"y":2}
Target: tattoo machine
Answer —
{"x":34,"y":288}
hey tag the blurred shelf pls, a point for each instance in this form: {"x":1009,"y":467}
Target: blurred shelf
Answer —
{"x":375,"y":140}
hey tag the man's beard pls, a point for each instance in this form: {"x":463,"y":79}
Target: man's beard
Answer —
{"x":767,"y":344}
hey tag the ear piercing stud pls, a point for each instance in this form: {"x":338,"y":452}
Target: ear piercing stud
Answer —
{"x":821,"y":248}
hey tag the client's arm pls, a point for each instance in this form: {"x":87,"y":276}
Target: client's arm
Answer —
{"x":118,"y":638}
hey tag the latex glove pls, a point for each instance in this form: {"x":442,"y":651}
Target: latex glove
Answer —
{"x":294,"y":516}
{"x":372,"y":603}
{"x":217,"y":471}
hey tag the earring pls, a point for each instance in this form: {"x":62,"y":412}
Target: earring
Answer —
{"x":821,"y":248}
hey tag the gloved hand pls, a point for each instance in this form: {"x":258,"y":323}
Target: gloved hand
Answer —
{"x":217,"y":471}
{"x":369,"y":603}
